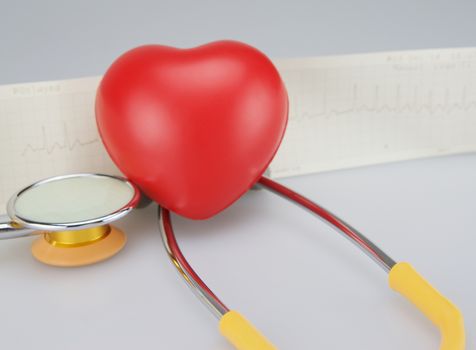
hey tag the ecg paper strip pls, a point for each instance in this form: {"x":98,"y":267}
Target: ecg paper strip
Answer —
{"x":48,"y":129}
{"x":364,"y":109}
{"x":345,"y":111}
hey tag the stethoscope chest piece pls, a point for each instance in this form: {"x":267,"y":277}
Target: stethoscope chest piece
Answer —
{"x":72,"y":215}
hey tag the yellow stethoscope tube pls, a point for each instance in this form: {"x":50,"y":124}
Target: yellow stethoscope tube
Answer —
{"x":403,"y":278}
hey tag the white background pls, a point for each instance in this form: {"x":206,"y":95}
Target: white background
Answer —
{"x":299,"y":282}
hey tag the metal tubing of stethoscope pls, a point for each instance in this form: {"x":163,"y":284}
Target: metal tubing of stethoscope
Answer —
{"x":198,"y":287}
{"x":367,"y":246}
{"x":9,"y":229}
{"x":208,"y":297}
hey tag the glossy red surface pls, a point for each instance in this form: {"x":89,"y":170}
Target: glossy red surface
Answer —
{"x":194,"y":128}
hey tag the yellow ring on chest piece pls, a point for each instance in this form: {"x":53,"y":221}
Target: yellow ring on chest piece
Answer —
{"x":71,"y":239}
{"x":78,"y":248}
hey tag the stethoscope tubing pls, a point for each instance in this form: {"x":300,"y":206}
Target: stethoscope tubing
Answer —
{"x":402,"y":278}
{"x":356,"y":237}
{"x":196,"y":284}
{"x":201,"y":290}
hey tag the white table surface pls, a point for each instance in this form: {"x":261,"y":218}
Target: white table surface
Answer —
{"x":301,"y":283}
{"x":297,"y":280}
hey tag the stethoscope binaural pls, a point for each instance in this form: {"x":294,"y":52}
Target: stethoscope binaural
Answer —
{"x":402,"y":278}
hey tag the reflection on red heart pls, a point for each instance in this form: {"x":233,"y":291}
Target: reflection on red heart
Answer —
{"x":193,"y":128}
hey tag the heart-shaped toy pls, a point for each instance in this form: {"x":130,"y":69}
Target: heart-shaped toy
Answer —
{"x":193,"y":128}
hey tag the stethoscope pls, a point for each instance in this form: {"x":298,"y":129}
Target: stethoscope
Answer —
{"x":72,"y":215}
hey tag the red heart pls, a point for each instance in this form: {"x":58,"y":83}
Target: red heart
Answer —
{"x":193,"y":128}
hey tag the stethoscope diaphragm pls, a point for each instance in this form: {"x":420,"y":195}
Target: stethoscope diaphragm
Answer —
{"x":73,"y":212}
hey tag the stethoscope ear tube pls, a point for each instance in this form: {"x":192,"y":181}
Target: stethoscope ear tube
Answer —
{"x":403,"y":278}
{"x":233,"y":326}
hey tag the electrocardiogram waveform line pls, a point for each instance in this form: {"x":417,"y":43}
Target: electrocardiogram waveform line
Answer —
{"x":67,"y":143}
{"x":429,"y":107}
